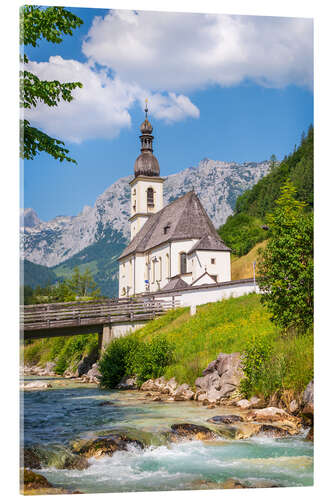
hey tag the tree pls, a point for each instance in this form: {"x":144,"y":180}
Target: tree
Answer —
{"x":83,"y":285}
{"x":49,"y":23}
{"x":272,"y":163}
{"x":286,"y":264}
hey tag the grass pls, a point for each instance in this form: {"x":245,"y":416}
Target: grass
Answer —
{"x":232,"y":326}
{"x":242,"y":267}
{"x":65,"y":351}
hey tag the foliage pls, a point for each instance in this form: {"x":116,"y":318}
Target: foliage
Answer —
{"x":83,"y":285}
{"x":35,"y":274}
{"x":152,"y":358}
{"x":242,"y":232}
{"x":129,"y":356}
{"x":38,"y":23}
{"x":286,"y":264}
{"x":65,"y":351}
{"x":117,"y":360}
{"x":78,"y":286}
{"x":257,"y":202}
{"x":256,"y":352}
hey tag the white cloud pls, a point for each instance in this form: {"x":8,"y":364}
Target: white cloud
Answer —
{"x":162,"y":56}
{"x":180,"y":52}
{"x":101,"y":108}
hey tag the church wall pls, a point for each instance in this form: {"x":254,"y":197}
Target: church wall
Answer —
{"x":140,"y":188}
{"x":220,"y":269}
{"x":177,"y":247}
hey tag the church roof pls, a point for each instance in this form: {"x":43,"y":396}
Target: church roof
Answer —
{"x":176,"y":283}
{"x":183,"y":219}
{"x":209,"y":242}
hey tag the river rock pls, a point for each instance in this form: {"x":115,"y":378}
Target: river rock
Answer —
{"x":37,"y":384}
{"x":31,"y":459}
{"x":183,"y":393}
{"x":275,"y":431}
{"x":170,"y":386}
{"x":225,"y":419}
{"x":127,"y":383}
{"x":105,"y":445}
{"x":75,"y":462}
{"x":220,"y":379}
{"x":93,"y":375}
{"x":191,"y":432}
{"x":34,"y":481}
{"x":244,"y":404}
{"x":308,"y":401}
{"x":278,"y":417}
{"x":149,"y":385}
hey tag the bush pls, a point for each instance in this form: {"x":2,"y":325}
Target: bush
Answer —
{"x":117,"y":360}
{"x":130,"y":356}
{"x":152,"y":358}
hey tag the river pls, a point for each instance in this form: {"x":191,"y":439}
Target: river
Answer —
{"x":70,"y":411}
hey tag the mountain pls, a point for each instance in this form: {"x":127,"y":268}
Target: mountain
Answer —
{"x":34,"y":274}
{"x":98,"y":234}
{"x":29,"y":218}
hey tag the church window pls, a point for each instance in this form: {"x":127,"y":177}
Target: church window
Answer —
{"x":150,"y":197}
{"x":167,"y":266}
{"x":160,"y":266}
{"x":212,"y":261}
{"x":183,"y":263}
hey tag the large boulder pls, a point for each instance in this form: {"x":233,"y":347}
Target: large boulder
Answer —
{"x":105,"y":445}
{"x":191,"y":432}
{"x":220,"y":379}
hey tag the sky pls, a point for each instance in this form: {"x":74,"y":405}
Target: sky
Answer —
{"x":229,"y":88}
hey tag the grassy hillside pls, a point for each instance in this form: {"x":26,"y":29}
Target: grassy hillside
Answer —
{"x":243,"y":229}
{"x":242,"y":267}
{"x":234,"y":325}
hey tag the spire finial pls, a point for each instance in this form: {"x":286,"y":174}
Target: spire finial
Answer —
{"x":146,"y":108}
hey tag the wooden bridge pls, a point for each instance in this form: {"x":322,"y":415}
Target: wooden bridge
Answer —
{"x":98,"y":316}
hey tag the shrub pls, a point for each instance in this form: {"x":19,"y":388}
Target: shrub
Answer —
{"x":256,"y":353}
{"x":117,"y":360}
{"x":152,"y":358}
{"x":130,"y":356}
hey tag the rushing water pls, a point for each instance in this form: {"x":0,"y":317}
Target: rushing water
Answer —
{"x":70,"y":411}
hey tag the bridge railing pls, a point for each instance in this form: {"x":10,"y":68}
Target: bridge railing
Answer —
{"x":58,"y":315}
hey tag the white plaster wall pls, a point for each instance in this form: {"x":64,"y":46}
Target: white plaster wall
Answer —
{"x":125,"y":329}
{"x":141,"y":186}
{"x":221,"y":268}
{"x":200,"y":296}
{"x":205,"y":280}
{"x":137,"y":224}
{"x":178,"y":247}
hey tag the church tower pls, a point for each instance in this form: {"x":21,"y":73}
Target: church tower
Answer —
{"x":147,"y":185}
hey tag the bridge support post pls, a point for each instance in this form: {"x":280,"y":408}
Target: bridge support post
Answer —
{"x":106,"y":336}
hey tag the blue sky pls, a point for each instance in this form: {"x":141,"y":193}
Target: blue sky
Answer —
{"x":240,"y":90}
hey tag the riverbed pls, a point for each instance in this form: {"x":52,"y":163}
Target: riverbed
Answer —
{"x":69,"y":411}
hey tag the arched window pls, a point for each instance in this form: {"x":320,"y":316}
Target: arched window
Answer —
{"x":167,"y":266}
{"x":183,"y":263}
{"x":160,"y":266}
{"x":150,"y":197}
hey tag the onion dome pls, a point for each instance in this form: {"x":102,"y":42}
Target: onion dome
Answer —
{"x":146,"y":127}
{"x":146,"y":163}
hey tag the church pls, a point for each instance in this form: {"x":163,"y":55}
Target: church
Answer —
{"x":173,"y":247}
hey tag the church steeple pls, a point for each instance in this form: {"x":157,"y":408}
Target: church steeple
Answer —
{"x":146,"y":164}
{"x":147,"y":185}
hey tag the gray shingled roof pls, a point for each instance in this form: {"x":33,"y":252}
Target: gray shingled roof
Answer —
{"x":175,"y":284}
{"x":186,"y":219}
{"x":209,"y":242}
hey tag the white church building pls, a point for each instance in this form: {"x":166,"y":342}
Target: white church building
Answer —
{"x":172,"y":247}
